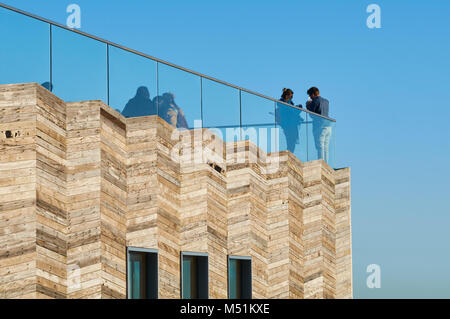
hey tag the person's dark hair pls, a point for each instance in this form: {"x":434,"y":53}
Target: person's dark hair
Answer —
{"x":313,"y":91}
{"x":286,"y":92}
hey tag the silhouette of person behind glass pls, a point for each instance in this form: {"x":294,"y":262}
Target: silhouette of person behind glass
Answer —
{"x":48,"y":86}
{"x":289,"y":119}
{"x":140,"y":104}
{"x":169,"y":111}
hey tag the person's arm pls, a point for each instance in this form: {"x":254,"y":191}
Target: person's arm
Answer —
{"x":313,"y":105}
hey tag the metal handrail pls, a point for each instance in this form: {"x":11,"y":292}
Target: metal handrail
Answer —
{"x":155,"y":59}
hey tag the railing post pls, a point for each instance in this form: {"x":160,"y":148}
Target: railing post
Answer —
{"x":107,"y":73}
{"x":201,"y":101}
{"x":51,"y":57}
{"x":157,"y":88}
{"x":240,"y":115}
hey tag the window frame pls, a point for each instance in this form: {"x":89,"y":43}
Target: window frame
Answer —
{"x":244,"y":258}
{"x":193,"y":254}
{"x":141,"y":250}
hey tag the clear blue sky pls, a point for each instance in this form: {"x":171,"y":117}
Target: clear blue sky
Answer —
{"x":388,"y":87}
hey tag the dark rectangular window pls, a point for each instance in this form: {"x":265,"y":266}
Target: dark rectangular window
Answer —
{"x":239,"y":277}
{"x":142,"y":273}
{"x":194,"y":275}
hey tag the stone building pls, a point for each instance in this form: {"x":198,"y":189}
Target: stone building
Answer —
{"x":97,"y":205}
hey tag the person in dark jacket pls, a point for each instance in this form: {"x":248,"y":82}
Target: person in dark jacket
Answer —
{"x":321,"y":127}
{"x":289,"y":119}
{"x":140,"y":104}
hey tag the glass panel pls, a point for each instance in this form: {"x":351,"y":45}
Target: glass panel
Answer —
{"x":189,"y":277}
{"x":221,"y":109}
{"x":137,"y":275}
{"x":142,"y":275}
{"x":136,"y":281}
{"x":233,"y":279}
{"x":152,"y":276}
{"x":246,"y":281}
{"x":179,"y":96}
{"x":293,"y":128}
{"x":332,"y":150}
{"x":186,"y":278}
{"x":25,"y":49}
{"x":240,"y":278}
{"x":321,"y":139}
{"x":195,"y":277}
{"x":132,"y":83}
{"x":79,"y":66}
{"x":258,"y":121}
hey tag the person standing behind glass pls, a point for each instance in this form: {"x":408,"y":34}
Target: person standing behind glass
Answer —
{"x":140,"y":104}
{"x":170,"y":112}
{"x":288,"y":118}
{"x":321,"y":127}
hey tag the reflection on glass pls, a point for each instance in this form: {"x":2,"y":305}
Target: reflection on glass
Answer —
{"x":221,"y":109}
{"x":293,"y":128}
{"x":79,"y":66}
{"x":140,"y":104}
{"x":321,"y":139}
{"x":25,"y":49}
{"x":179,"y":100}
{"x":258,"y":121}
{"x":132,"y":83}
{"x":170,"y":112}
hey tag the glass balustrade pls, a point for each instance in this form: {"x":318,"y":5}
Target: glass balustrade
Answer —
{"x":24,"y":49}
{"x":320,"y":138}
{"x":179,"y":97}
{"x":258,"y":121}
{"x":293,"y":125}
{"x":221,"y":109}
{"x":78,"y":67}
{"x":133,"y":83}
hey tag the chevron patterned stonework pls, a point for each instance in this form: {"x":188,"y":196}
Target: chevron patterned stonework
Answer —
{"x":79,"y":183}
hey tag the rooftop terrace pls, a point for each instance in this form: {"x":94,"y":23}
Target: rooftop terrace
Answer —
{"x":77,"y":66}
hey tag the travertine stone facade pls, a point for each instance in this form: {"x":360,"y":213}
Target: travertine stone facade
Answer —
{"x":79,"y":183}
